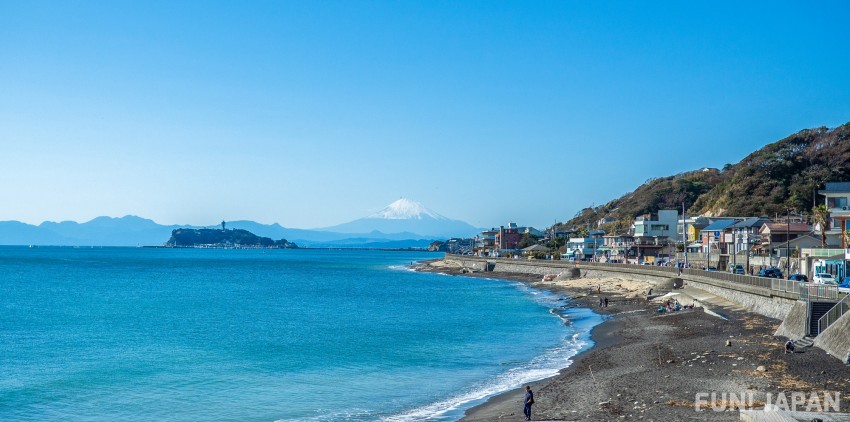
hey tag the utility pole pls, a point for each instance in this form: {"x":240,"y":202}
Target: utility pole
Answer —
{"x":684,"y":235}
{"x":787,"y":241}
{"x":735,"y":234}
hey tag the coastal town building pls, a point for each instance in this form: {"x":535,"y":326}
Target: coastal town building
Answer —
{"x":532,"y":231}
{"x":745,"y":234}
{"x":494,"y":242}
{"x":535,"y":249}
{"x":508,"y":238}
{"x":582,"y":248}
{"x":794,"y":246}
{"x":487,"y":239}
{"x":712,"y":236}
{"x":694,"y":226}
{"x":664,"y":223}
{"x":773,"y":234}
{"x":616,"y":247}
{"x":837,"y":200}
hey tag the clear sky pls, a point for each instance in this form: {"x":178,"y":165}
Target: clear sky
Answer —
{"x":313,"y":113}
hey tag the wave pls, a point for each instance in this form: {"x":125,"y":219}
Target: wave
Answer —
{"x":402,"y":268}
{"x":580,"y":320}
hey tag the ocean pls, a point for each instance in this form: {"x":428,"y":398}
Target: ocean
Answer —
{"x":101,"y":334}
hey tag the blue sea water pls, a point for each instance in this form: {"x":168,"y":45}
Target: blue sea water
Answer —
{"x":265,"y":335}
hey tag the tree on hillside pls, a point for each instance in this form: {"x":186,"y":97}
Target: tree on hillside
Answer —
{"x":527,"y":240}
{"x":820,"y":214}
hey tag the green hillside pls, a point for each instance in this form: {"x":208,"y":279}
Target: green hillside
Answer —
{"x":782,"y":175}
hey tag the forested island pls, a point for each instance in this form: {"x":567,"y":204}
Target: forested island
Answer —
{"x":223,"y":238}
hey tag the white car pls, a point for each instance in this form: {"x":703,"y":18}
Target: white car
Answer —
{"x":823,"y":278}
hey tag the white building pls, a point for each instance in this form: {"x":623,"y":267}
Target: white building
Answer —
{"x":837,"y":200}
{"x":663,"y":224}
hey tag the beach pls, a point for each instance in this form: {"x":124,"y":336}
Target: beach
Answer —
{"x":655,"y":366}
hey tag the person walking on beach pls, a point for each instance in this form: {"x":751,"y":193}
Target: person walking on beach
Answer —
{"x":529,"y":400}
{"x":606,"y":302}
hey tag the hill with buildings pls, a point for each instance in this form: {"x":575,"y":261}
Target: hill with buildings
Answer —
{"x":780,"y":176}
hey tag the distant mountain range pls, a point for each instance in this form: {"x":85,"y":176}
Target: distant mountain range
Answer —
{"x":403,"y":224}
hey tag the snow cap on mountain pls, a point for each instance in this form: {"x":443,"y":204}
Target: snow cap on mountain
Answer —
{"x":405,"y":209}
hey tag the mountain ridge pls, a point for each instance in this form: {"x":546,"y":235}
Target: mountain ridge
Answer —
{"x":403,"y":224}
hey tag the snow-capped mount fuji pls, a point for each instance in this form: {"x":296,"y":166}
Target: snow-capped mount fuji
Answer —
{"x":407,"y":216}
{"x":405,"y":209}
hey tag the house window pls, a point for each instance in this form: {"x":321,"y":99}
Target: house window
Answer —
{"x":838,"y":202}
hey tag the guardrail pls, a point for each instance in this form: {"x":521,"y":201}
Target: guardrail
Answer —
{"x":836,"y":312}
{"x":762,"y":282}
{"x":789,"y":287}
{"x":811,"y":291}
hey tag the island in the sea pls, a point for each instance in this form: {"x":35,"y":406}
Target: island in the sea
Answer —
{"x":223,"y":238}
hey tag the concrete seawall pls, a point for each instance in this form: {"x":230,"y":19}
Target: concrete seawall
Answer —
{"x":752,"y":294}
{"x":834,"y":340}
{"x":755,"y":299}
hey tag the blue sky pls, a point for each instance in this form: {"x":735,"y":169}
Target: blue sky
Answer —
{"x":314,"y":113}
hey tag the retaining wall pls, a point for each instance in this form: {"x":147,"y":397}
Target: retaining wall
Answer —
{"x":835,"y":340}
{"x":770,"y":306}
{"x":796,"y":323}
{"x":755,"y":299}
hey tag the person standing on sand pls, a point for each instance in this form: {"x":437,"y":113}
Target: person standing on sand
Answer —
{"x":606,"y":302}
{"x":529,"y":400}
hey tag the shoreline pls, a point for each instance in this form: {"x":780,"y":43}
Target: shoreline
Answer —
{"x":577,"y":299}
{"x":649,"y":366}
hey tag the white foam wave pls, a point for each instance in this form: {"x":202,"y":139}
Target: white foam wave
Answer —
{"x":544,"y":366}
{"x":332,"y":416}
{"x":402,"y":268}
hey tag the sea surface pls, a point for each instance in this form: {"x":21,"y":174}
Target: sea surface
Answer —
{"x":105,"y":334}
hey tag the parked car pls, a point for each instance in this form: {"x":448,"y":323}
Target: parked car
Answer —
{"x":824,"y":278}
{"x":711,"y":269}
{"x":799,"y":277}
{"x":844,"y":287}
{"x":771,"y":272}
{"x":737,"y":269}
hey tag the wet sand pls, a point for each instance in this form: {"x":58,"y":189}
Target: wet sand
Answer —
{"x":650,"y":366}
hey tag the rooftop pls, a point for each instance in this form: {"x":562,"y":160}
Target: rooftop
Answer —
{"x":750,"y":222}
{"x":793,"y":227}
{"x":719,"y":225}
{"x":836,"y":187}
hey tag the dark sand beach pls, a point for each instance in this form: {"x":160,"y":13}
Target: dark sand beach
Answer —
{"x":650,"y":366}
